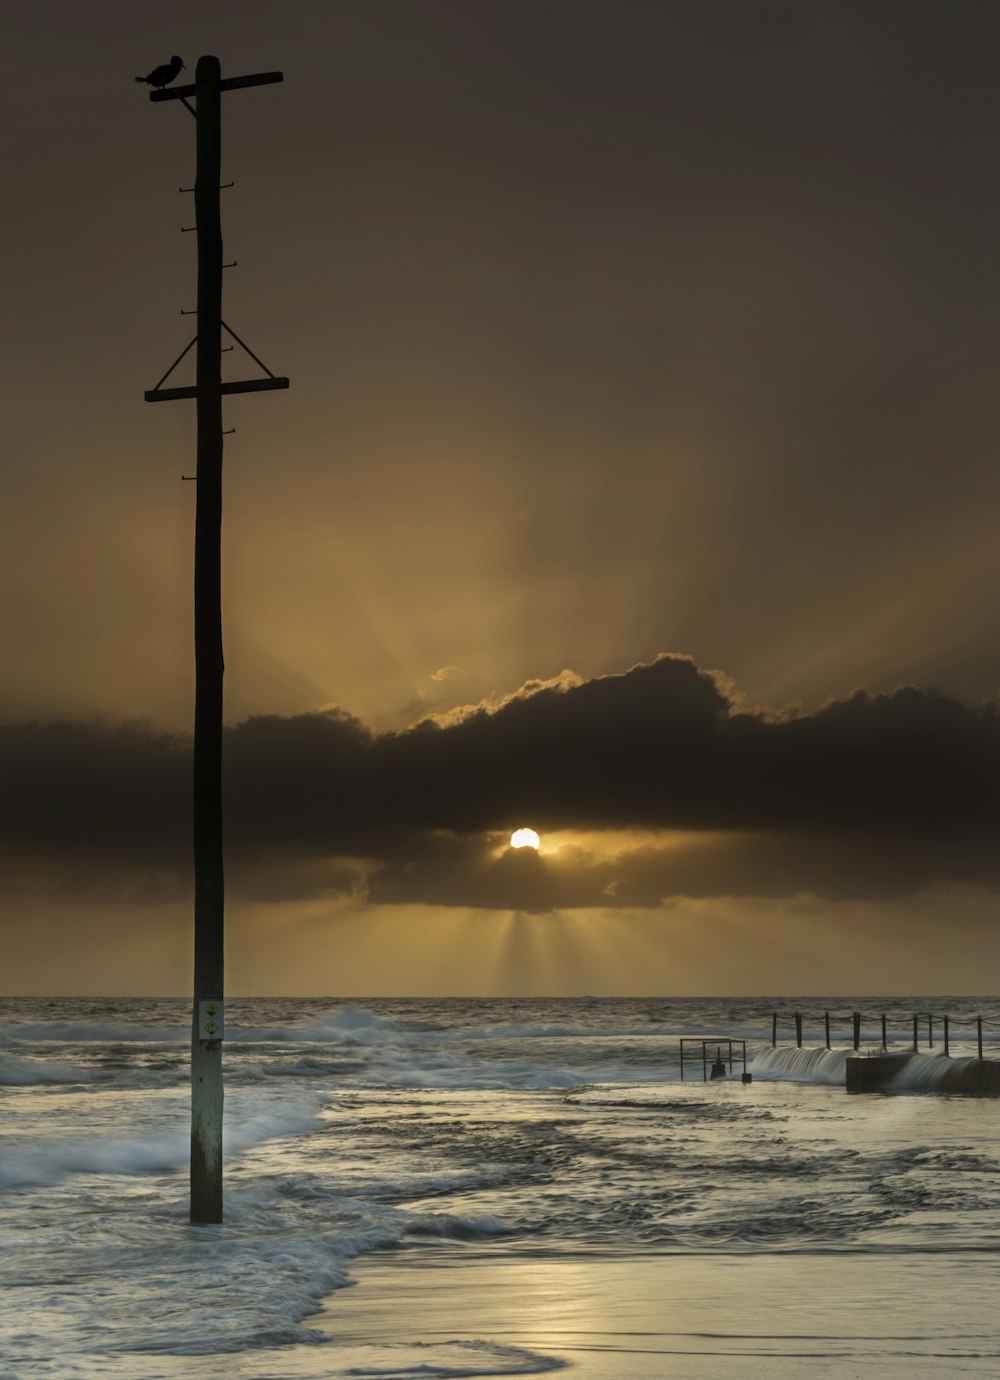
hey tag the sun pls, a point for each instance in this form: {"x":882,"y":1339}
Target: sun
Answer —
{"x":524,"y":838}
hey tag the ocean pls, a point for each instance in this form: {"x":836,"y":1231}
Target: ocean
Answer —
{"x":438,"y":1188}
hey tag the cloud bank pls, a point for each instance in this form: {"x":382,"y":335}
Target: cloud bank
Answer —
{"x":876,"y":795}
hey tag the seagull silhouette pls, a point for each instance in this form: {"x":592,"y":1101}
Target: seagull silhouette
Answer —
{"x":160,"y":76}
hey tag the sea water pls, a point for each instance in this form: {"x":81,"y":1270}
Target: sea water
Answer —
{"x":513,"y":1187}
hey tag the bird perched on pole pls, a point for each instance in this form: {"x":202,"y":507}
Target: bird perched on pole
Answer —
{"x":160,"y":76}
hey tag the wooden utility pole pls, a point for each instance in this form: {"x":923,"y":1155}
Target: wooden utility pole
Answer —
{"x":209,"y":894}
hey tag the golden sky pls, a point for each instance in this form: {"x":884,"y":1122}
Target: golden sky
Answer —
{"x":643,"y":367}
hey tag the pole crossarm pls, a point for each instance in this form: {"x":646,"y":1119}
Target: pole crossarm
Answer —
{"x":241,"y":386}
{"x":179,"y":93}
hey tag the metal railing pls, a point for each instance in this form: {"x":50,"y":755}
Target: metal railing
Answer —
{"x":857,"y":1018}
{"x":735,"y":1050}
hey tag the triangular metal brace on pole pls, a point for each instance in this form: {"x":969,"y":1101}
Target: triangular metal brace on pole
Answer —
{"x":246,"y":347}
{"x":159,"y":394}
{"x":172,"y":367}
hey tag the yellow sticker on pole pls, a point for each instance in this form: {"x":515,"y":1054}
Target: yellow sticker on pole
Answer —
{"x":210,"y":1019}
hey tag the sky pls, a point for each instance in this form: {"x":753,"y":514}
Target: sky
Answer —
{"x":636,"y":484}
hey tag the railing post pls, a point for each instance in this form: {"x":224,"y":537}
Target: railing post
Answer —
{"x":826,"y":1015}
{"x":885,"y":1043}
{"x":979,"y":1034}
{"x":798,"y":1028}
{"x":857,"y":1029}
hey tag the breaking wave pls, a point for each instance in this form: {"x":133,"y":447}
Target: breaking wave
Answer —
{"x":24,"y":1073}
{"x":795,"y":1065}
{"x":915,"y":1072}
{"x":152,"y":1152}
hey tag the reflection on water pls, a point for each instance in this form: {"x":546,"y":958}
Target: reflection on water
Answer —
{"x":693,"y":1316}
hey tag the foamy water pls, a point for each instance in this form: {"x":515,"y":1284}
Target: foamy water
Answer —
{"x":540,"y":1145}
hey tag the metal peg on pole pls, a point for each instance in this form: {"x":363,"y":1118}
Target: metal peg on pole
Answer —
{"x":946,"y":1023}
{"x":885,"y":1044}
{"x":826,"y":1021}
{"x":798,"y":1029}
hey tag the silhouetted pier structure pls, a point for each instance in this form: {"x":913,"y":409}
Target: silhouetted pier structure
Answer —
{"x":721,"y":1063}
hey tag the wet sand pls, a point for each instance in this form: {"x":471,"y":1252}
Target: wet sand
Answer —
{"x":666,"y":1317}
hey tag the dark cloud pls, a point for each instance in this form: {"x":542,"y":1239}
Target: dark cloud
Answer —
{"x":451,"y":870}
{"x":874,"y":795}
{"x":93,"y":789}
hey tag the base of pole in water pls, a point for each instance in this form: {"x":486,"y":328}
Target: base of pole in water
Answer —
{"x":206,"y":1131}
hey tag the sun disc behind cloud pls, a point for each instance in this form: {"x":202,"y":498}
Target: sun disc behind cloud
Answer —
{"x":524,"y":838}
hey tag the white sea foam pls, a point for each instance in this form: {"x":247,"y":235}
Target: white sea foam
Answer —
{"x":454,"y":1360}
{"x":48,"y":1163}
{"x":350,"y":1025}
{"x":170,"y":1290}
{"x":161,"y":1151}
{"x":520,"y":1030}
{"x":90,"y":1032}
{"x":17,"y":1072}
